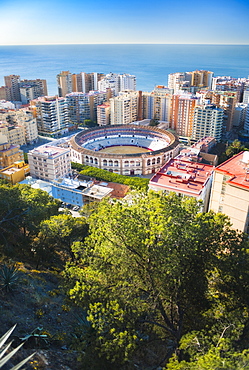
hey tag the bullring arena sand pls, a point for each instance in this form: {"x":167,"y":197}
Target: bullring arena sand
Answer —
{"x":124,"y":149}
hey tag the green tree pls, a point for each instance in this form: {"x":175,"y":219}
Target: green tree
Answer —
{"x":12,"y":210}
{"x":143,"y":275}
{"x":39,"y":206}
{"x":234,"y":148}
{"x":215,"y":357}
{"x":57,"y":234}
{"x":21,"y":211}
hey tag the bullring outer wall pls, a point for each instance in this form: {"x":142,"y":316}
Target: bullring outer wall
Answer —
{"x":124,"y":164}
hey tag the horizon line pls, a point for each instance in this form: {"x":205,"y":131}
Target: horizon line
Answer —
{"x":126,"y":43}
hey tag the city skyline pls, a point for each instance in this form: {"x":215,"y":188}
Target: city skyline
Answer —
{"x":112,"y":22}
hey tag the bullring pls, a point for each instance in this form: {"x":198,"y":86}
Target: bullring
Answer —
{"x":152,"y":146}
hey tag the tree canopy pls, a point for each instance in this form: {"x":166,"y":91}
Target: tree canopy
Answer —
{"x":149,"y":272}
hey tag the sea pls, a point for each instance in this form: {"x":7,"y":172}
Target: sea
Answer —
{"x":150,"y":63}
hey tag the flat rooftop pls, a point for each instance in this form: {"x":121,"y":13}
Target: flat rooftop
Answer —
{"x":237,"y":168}
{"x":97,"y":192}
{"x":48,"y":151}
{"x":181,"y":175}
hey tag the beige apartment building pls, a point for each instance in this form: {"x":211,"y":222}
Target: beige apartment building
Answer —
{"x":157,"y":104}
{"x":64,"y":82}
{"x":19,"y":126}
{"x":125,"y":108}
{"x":15,"y":134}
{"x":230,"y":190}
{"x":12,"y":83}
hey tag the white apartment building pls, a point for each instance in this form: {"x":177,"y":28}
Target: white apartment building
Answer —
{"x":207,"y":121}
{"x":176,"y":81}
{"x":51,"y":115}
{"x":49,"y":163}
{"x":117,"y":83}
{"x":124,"y":108}
{"x":127,"y":82}
{"x":246,"y":124}
{"x":246,"y":96}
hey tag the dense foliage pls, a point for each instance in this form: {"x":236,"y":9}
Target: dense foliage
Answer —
{"x":234,"y":148}
{"x":155,"y":282}
{"x":99,"y":174}
{"x":155,"y":272}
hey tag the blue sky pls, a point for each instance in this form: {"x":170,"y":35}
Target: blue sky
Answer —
{"x":124,"y":21}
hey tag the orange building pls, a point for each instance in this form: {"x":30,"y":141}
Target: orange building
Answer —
{"x":9,"y":154}
{"x":182,"y":114}
{"x":15,"y":173}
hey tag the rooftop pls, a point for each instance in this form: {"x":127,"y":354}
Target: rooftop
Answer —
{"x":48,"y":151}
{"x":181,"y":175}
{"x":97,"y":192}
{"x":237,"y":168}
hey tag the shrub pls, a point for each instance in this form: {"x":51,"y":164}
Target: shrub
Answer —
{"x":103,"y":175}
{"x":9,"y":277}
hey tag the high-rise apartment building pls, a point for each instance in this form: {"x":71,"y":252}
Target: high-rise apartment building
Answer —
{"x":86,"y":82}
{"x":157,"y":104}
{"x":182,"y":114}
{"x":51,"y":113}
{"x":246,"y":124}
{"x":83,"y":106}
{"x":5,"y":93}
{"x":227,"y":83}
{"x":190,"y":81}
{"x":226,"y":100}
{"x":32,"y":89}
{"x":201,"y":78}
{"x":176,"y":81}
{"x":12,"y":82}
{"x":117,"y":83}
{"x":64,"y":82}
{"x":246,"y":96}
{"x":127,"y":82}
{"x":124,"y":108}
{"x":103,"y":114}
{"x":207,"y":121}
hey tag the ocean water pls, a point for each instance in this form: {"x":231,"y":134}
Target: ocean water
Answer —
{"x":151,"y":64}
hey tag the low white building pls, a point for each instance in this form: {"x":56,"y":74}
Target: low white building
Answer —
{"x":49,"y":163}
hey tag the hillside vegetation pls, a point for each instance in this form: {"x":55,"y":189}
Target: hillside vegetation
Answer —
{"x":141,"y":284}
